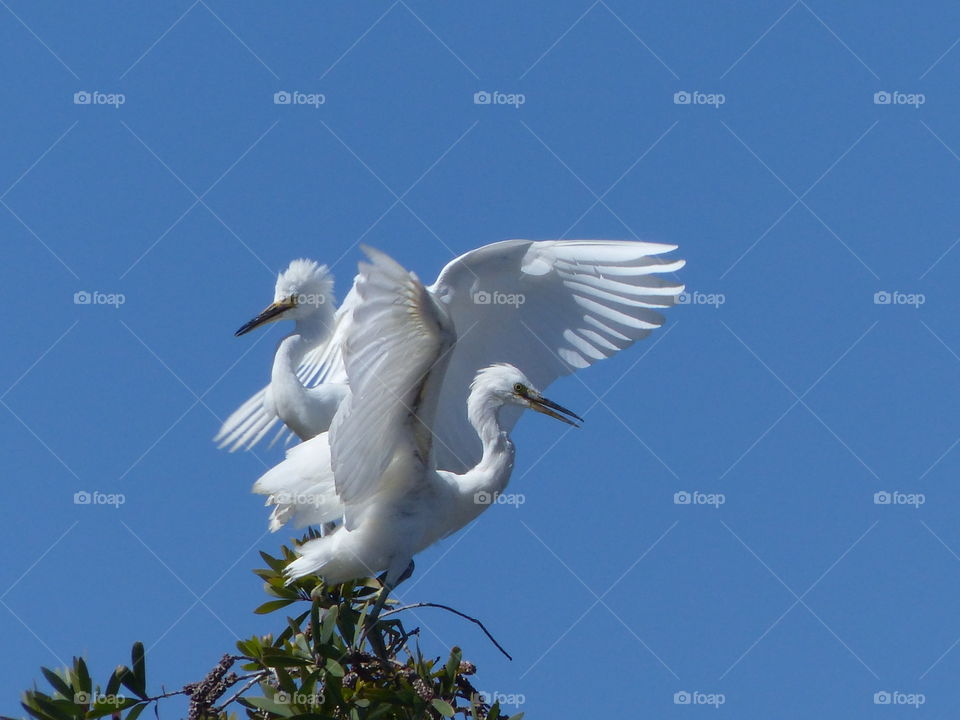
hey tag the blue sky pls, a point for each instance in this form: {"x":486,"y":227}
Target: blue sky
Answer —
{"x":816,"y":365}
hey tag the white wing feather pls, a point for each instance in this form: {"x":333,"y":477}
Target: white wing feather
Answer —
{"x":549,"y":308}
{"x":394,"y":358}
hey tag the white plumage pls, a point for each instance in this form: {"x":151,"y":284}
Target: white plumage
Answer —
{"x":549,"y":307}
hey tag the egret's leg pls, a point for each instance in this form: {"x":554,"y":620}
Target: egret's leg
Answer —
{"x":405,"y":575}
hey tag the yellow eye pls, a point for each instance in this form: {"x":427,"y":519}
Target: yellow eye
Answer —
{"x":519,"y":388}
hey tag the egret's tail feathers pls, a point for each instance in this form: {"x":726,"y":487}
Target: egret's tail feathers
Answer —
{"x":330,"y":558}
{"x":302,"y":488}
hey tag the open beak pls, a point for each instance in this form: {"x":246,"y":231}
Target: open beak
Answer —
{"x":272,"y":312}
{"x":548,"y":407}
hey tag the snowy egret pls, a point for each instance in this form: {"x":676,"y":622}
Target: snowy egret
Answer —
{"x":551,"y":307}
{"x":304,"y":294}
{"x":376,"y":468}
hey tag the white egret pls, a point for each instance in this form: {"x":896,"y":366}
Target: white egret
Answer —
{"x":548,"y":307}
{"x":376,"y":468}
{"x":551,"y":307}
{"x":304,"y":294}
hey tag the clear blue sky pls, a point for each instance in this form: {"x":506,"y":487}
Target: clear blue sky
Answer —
{"x":795,"y":200}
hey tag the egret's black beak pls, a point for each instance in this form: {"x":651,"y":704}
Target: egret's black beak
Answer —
{"x":547,"y":407}
{"x":270,"y":313}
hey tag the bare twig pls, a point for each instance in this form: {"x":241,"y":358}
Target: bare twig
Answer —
{"x":254,"y":679}
{"x":455,"y":612}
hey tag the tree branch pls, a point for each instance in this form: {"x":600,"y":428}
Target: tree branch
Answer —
{"x":455,"y":612}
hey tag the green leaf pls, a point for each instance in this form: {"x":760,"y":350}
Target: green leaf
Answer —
{"x":113,"y":684}
{"x":453,"y":664}
{"x":285,"y":682}
{"x":494,"y":713}
{"x":271,"y":605}
{"x":100,"y":709}
{"x":275,"y":564}
{"x":442,"y":707}
{"x":139,"y":668}
{"x":135,"y":713}
{"x":270,"y":706}
{"x":58,"y":683}
{"x":329,"y":623}
{"x":335,"y":668}
{"x":284,"y":660}
{"x":518,"y":716}
{"x":50,"y":708}
{"x":83,"y":675}
{"x":130,"y":682}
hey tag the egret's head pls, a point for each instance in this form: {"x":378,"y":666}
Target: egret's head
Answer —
{"x":303,"y":289}
{"x":510,"y":386}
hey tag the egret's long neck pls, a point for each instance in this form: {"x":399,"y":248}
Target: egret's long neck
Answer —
{"x":290,"y":353}
{"x":287,"y":390}
{"x":492,"y":473}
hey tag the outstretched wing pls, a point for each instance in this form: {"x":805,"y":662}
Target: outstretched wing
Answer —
{"x":394,"y":357}
{"x":256,"y":418}
{"x":549,"y":308}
